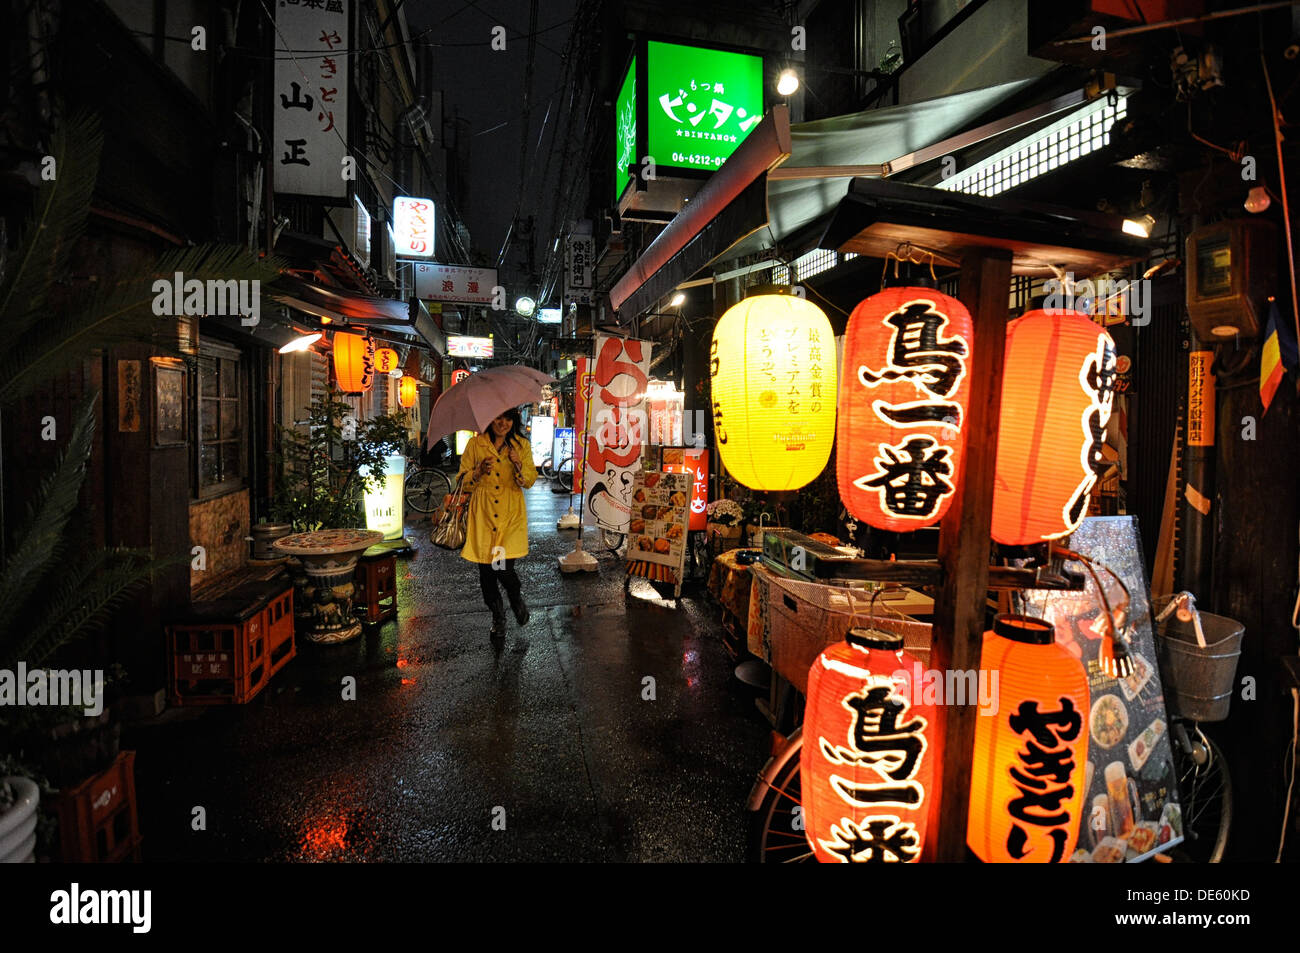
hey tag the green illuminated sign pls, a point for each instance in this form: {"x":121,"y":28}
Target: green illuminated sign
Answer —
{"x":701,"y":103}
{"x":625,"y":131}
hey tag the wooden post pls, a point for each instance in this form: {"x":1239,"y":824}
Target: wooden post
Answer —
{"x":964,"y":550}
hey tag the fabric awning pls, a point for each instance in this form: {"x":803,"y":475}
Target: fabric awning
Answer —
{"x":363,"y":311}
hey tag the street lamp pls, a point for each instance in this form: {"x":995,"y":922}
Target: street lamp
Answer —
{"x":787,"y":82}
{"x":525,"y":305}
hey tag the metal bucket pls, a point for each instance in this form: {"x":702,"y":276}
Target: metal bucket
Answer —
{"x":1199,"y":682}
{"x":264,"y":534}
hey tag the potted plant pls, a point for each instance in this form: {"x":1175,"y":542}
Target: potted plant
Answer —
{"x":724,"y":519}
{"x":325,"y":471}
{"x":20,"y":798}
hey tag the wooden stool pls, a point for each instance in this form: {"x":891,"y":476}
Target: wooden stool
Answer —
{"x":375,"y":580}
{"x":97,"y":818}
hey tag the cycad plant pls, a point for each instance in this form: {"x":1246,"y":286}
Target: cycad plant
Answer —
{"x":53,"y":589}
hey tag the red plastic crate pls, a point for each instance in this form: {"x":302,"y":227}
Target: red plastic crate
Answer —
{"x":98,"y":823}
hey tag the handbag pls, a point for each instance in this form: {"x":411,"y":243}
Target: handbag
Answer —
{"x":450,"y":528}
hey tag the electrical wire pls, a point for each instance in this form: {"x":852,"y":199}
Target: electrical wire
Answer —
{"x":1295,"y":740}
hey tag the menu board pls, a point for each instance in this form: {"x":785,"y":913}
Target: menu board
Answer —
{"x":659,"y":521}
{"x":1131,"y":808}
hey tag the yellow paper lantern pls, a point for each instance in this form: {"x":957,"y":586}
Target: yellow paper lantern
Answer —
{"x":354,"y":362}
{"x":406,"y":391}
{"x":385,"y":360}
{"x":774,"y":387}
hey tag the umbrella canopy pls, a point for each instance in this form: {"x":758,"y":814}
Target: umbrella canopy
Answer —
{"x":478,"y":399}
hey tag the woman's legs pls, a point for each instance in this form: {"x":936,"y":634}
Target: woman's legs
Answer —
{"x":510,"y":579}
{"x":487,"y":581}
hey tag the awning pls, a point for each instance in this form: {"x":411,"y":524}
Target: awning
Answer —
{"x":362,"y":311}
{"x":806,"y":189}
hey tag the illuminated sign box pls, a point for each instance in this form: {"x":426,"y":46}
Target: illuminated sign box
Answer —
{"x":687,"y":107}
{"x":458,"y":346}
{"x":413,"y":227}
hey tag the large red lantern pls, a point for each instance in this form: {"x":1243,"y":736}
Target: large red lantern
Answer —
{"x":1058,"y":389}
{"x":1028,"y":767}
{"x":407,"y":391}
{"x":354,"y":362}
{"x":866,"y":763}
{"x":902,"y":408}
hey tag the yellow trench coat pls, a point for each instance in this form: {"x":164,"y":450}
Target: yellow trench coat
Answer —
{"x":497,"y":516}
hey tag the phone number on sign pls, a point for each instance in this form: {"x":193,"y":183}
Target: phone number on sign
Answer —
{"x":696,"y":159}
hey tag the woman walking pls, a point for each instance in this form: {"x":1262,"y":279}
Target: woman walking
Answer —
{"x":497,"y":467}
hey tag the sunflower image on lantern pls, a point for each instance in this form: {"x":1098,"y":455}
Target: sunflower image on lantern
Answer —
{"x":773,"y":378}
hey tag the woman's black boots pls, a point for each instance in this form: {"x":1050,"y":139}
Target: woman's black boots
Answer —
{"x":521,"y":608}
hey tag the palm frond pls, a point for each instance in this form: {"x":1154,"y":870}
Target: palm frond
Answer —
{"x":121,"y":313}
{"x":82,"y":602}
{"x":38,"y":543}
{"x":58,"y":220}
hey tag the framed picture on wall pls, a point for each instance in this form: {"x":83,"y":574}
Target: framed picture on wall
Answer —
{"x":169,"y":405}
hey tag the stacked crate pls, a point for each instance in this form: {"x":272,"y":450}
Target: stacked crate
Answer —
{"x":98,"y":823}
{"x":227,"y":649}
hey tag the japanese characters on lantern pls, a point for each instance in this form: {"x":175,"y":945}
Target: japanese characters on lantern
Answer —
{"x":772,"y":367}
{"x":1058,"y":390}
{"x":903,"y":394}
{"x":354,"y":362}
{"x":866,"y":765}
{"x":385,"y":360}
{"x":1027,"y":772}
{"x":407,"y":391}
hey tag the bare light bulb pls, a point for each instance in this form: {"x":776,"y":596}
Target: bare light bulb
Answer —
{"x":1257,"y":200}
{"x":787,"y":82}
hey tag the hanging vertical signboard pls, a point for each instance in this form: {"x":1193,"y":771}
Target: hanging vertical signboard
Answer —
{"x":579,"y":276}
{"x":616,"y":429}
{"x":310,"y":99}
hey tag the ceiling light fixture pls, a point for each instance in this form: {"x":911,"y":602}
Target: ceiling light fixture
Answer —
{"x":301,"y":343}
{"x":1139,"y":227}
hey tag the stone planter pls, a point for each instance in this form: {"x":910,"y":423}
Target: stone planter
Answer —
{"x":18,"y":823}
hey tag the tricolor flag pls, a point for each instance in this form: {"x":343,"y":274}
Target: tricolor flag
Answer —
{"x":1277,"y":356}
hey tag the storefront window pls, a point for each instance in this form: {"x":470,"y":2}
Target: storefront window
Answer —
{"x":222,"y":458}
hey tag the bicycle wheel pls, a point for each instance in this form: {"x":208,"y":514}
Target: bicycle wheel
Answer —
{"x":1205,"y":790}
{"x":564,"y":474}
{"x":545,"y":468}
{"x":426,"y":489}
{"x":612,"y":540}
{"x":776,"y":833}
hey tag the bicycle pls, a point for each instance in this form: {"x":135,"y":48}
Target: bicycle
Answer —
{"x":426,"y":489}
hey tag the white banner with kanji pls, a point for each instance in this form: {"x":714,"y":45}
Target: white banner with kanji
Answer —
{"x":310,"y":98}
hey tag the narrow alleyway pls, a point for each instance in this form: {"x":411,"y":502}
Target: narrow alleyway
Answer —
{"x":553,"y":728}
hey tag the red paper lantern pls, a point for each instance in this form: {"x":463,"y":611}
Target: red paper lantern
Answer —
{"x":407,"y":391}
{"x":354,"y":362}
{"x":1058,"y":389}
{"x":1028,"y":767}
{"x":385,"y":360}
{"x":458,"y":375}
{"x":902,"y":407}
{"x":866,"y":763}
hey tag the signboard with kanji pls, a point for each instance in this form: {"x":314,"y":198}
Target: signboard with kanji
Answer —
{"x":310,"y":99}
{"x":701,"y":103}
{"x":579,"y":276}
{"x":461,"y":346}
{"x":413,"y":227}
{"x":1200,"y":400}
{"x":455,"y":283}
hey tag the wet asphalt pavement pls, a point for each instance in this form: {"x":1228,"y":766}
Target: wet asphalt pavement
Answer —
{"x":446,"y":731}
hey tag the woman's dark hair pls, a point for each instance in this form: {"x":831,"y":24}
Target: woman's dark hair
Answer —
{"x":516,"y":425}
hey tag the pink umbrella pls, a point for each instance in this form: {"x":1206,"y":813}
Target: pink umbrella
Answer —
{"x":478,"y":399}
